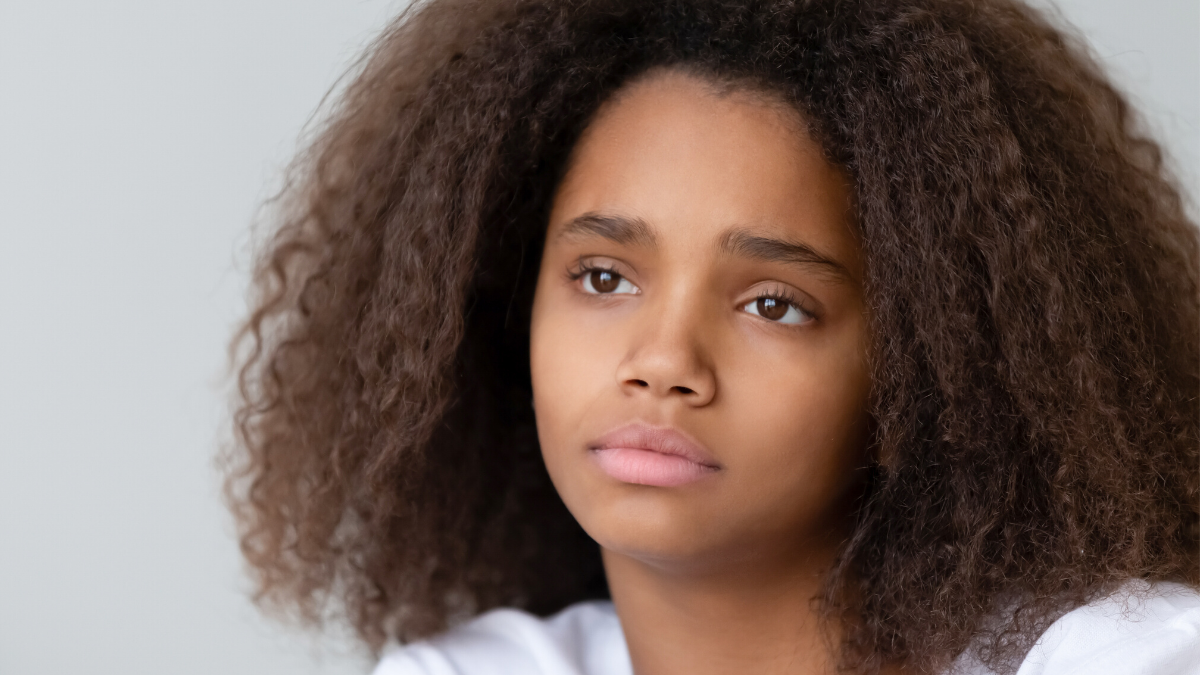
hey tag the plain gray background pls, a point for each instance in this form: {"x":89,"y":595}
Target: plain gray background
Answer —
{"x":136,"y":141}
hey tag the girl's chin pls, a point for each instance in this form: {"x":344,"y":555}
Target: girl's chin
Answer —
{"x":662,"y":535}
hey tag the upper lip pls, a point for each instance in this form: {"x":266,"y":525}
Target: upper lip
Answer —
{"x":665,"y":440}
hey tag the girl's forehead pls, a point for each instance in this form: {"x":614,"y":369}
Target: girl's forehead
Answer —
{"x":689,"y":167}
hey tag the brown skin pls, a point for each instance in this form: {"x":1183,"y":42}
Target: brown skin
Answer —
{"x":717,"y":575}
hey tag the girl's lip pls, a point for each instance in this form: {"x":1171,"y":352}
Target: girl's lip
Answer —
{"x":646,"y":455}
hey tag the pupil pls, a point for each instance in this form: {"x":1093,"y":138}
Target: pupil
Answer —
{"x":770,"y":308}
{"x":604,"y":281}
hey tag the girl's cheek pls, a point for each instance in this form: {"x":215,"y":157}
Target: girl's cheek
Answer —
{"x":562,"y":363}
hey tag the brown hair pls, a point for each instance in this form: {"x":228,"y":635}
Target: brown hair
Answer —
{"x":1032,"y":283}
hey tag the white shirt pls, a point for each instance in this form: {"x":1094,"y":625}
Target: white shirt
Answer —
{"x":1130,"y":632}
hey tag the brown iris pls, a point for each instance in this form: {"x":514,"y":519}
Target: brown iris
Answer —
{"x":604,"y":281}
{"x":771,"y":308}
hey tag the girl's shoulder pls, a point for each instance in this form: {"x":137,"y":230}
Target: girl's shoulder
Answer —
{"x":583,"y":639}
{"x":1141,"y":629}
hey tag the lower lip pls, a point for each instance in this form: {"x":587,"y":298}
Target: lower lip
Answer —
{"x":646,"y":467}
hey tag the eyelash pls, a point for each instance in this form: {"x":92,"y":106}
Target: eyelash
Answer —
{"x":583,"y":269}
{"x":788,"y":299}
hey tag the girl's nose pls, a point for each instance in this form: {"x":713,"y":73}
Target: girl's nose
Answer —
{"x":667,"y":358}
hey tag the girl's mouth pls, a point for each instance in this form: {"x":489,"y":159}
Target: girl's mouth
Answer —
{"x":660,"y":456}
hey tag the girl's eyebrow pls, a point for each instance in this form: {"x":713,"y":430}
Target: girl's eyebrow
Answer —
{"x":622,"y":230}
{"x":735,"y":241}
{"x":740,"y":242}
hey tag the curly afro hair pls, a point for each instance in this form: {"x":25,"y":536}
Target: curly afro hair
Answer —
{"x":1031,"y":277}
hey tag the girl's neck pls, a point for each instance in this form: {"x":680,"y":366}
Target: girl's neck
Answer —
{"x":754,"y":615}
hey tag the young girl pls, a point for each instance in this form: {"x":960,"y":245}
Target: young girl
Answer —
{"x":730,"y":336}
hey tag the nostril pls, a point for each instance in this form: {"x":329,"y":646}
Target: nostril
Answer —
{"x":641,"y":383}
{"x":684,"y":390}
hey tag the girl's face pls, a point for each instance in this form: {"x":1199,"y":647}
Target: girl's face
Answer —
{"x":699,"y":342}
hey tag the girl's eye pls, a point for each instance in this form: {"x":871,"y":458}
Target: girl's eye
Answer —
{"x":598,"y":281}
{"x":779,"y":310}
